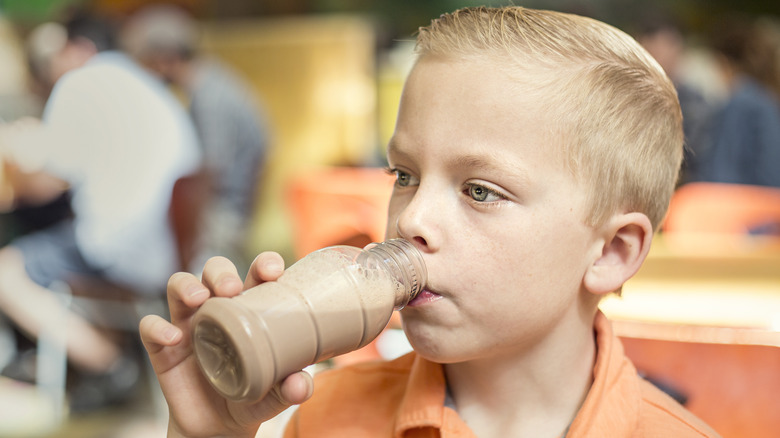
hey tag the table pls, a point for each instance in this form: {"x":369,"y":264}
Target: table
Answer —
{"x":726,"y":281}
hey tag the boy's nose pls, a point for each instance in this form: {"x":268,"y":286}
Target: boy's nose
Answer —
{"x":417,"y":221}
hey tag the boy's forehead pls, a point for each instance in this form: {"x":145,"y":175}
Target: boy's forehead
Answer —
{"x":498,"y":90}
{"x":525,"y":72}
{"x":467,"y":102}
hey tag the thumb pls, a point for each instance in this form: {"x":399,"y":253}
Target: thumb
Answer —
{"x":294,"y":389}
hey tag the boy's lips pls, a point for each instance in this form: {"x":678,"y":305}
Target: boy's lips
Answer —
{"x":425,"y":296}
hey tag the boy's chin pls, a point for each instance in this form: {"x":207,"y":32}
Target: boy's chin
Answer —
{"x":431,"y":347}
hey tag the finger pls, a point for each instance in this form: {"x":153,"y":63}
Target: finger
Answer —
{"x":221,"y":277}
{"x":294,"y":389}
{"x":297,"y":388}
{"x":165,"y":343}
{"x":185,"y":294}
{"x":157,"y":333}
{"x":267,"y":266}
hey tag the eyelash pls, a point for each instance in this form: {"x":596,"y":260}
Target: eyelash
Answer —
{"x":490,"y":192}
{"x":466,"y":191}
{"x":397,"y":173}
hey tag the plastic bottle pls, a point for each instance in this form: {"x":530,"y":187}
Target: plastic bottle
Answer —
{"x":333,"y":301}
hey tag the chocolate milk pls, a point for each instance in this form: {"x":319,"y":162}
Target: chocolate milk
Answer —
{"x":331,"y":302}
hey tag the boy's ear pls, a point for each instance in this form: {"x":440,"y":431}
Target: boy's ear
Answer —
{"x":627,"y":238}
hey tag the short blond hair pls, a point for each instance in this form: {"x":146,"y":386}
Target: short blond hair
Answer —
{"x":617,"y":113}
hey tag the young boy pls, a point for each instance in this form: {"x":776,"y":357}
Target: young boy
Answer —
{"x":535,"y":153}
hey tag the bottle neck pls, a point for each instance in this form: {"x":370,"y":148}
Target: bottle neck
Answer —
{"x":406,"y":264}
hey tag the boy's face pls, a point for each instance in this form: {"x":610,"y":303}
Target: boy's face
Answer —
{"x":484,"y":193}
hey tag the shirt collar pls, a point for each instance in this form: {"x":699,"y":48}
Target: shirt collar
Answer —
{"x":423,"y":402}
{"x":613,"y":401}
{"x":613,"y":391}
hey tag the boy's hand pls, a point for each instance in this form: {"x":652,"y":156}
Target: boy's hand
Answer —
{"x":196,"y":409}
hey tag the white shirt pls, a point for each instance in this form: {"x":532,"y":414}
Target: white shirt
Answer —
{"x":121,"y":140}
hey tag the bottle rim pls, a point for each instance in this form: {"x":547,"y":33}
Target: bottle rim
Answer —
{"x":407,"y":256}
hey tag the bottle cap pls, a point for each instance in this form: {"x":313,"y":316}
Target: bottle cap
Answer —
{"x":403,"y":258}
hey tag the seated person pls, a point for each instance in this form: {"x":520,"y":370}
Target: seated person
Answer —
{"x":535,"y":155}
{"x":118,"y":140}
{"x":231,"y":125}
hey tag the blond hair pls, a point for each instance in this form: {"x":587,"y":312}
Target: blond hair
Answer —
{"x":615,"y":110}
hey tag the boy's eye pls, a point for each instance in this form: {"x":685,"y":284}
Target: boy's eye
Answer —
{"x":483,"y":194}
{"x":403,"y":179}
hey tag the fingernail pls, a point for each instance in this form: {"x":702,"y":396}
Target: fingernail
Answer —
{"x":171,"y":334}
{"x":228,"y":283}
{"x":273,"y":266}
{"x":196,"y":291}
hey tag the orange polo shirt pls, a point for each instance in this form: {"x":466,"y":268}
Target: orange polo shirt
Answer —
{"x":404,"y":398}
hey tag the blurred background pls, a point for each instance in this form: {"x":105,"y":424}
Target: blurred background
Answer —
{"x":330,"y":72}
{"x":327,"y":76}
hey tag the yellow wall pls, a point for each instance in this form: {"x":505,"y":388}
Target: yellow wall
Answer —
{"x":316,"y":78}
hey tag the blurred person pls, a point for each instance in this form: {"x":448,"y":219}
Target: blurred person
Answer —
{"x":115,"y":136}
{"x":743,"y":137}
{"x":19,"y":98}
{"x":29,"y":214}
{"x":43,"y":43}
{"x":665,"y":41}
{"x":231,"y":124}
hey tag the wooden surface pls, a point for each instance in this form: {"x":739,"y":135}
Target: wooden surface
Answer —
{"x":704,"y":280}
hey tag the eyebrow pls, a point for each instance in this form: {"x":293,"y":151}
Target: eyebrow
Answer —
{"x":468,"y":160}
{"x":392,"y":147}
{"x":477,"y":162}
{"x":494,"y":163}
{"x":397,"y":150}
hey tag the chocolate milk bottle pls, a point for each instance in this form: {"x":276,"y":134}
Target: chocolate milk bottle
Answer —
{"x":330,"y":302}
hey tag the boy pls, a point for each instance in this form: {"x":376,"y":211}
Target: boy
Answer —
{"x":535,"y":153}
